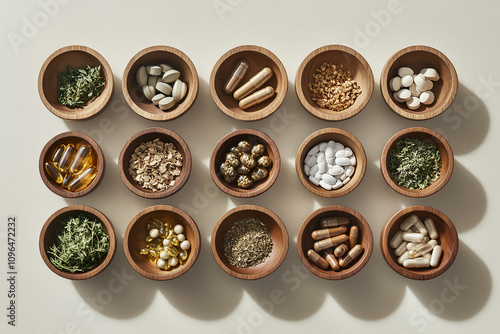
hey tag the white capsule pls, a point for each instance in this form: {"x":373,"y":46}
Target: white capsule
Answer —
{"x":344,"y":181}
{"x":314,"y":180}
{"x":171,"y":76}
{"x":352,"y":160}
{"x":349,"y":171}
{"x":311,"y":161}
{"x":412,"y":245}
{"x":401,"y":249}
{"x":307,"y":169}
{"x":322,"y":167}
{"x":153,"y":233}
{"x":413,"y":237}
{"x":149,"y":92}
{"x":340,"y":154}
{"x":432,"y":242}
{"x":395,"y":84}
{"x":153,"y":70}
{"x":166,"y":103}
{"x":331,"y":143}
{"x":420,"y":227}
{"x":426,"y":97}
{"x":402,"y":71}
{"x":185,"y":245}
{"x":325,"y":185}
{"x":314,"y":170}
{"x":320,"y":157}
{"x":330,"y":162}
{"x":404,"y":257}
{"x":335,"y":170}
{"x":413,"y":103}
{"x":419,"y":262}
{"x":403,"y":94}
{"x":337,"y":185}
{"x":406,"y":81}
{"x":430,"y":73}
{"x":341,"y":177}
{"x":322,"y":146}
{"x":396,"y":239}
{"x":178,"y":229}
{"x":329,"y":179}
{"x":436,"y":255}
{"x":329,"y":152}
{"x":429,"y":224}
{"x":141,"y":76}
{"x":338,"y":146}
{"x":342,"y":161}
{"x":313,"y":150}
{"x":318,"y":175}
{"x":157,"y":98}
{"x":408,"y":222}
{"x":348,"y":152}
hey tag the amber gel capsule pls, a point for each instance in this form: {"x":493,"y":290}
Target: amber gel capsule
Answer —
{"x":81,"y":158}
{"x":53,"y":172}
{"x":58,"y":154}
{"x":257,"y":97}
{"x":83,"y":180}
{"x":254,"y":83}
{"x":66,"y":157}
{"x":238,"y":73}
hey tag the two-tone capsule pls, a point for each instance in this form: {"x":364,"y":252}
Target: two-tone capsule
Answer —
{"x":257,"y":81}
{"x":236,"y":76}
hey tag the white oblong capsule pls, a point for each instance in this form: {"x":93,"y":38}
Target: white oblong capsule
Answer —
{"x":307,"y":169}
{"x":349,"y":171}
{"x":314,"y":170}
{"x":420,"y":250}
{"x":403,"y":257}
{"x":313,"y":150}
{"x":408,"y":222}
{"x":431,"y":228}
{"x":329,"y":152}
{"x":236,"y":76}
{"x":420,"y":262}
{"x":342,"y":161}
{"x":352,"y":160}
{"x":433,"y":242}
{"x":436,"y":255}
{"x":335,"y":170}
{"x":338,"y":184}
{"x":311,"y":161}
{"x":320,"y":157}
{"x":329,"y":179}
{"x":254,"y":83}
{"x":257,"y":97}
{"x":420,"y":227}
{"x":396,"y":239}
{"x":401,"y":248}
{"x":413,"y":237}
{"x":322,"y":146}
{"x":322,"y":167}
{"x":325,"y":185}
{"x":314,"y":180}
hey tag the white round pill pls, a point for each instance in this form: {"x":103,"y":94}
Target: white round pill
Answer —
{"x":160,"y":263}
{"x":406,"y":81}
{"x":171,"y":76}
{"x":403,"y":94}
{"x":154,"y":233}
{"x":178,"y":229}
{"x":153,"y":70}
{"x":426,"y":97}
{"x":167,"y":242}
{"x":395,"y":84}
{"x":173,"y":261}
{"x":181,"y":237}
{"x":185,"y":245}
{"x":402,"y":71}
{"x":428,"y":85}
{"x":163,"y":255}
{"x":414,"y":90}
{"x":430,"y":73}
{"x":419,"y":80}
{"x":413,"y":103}
{"x":141,"y":76}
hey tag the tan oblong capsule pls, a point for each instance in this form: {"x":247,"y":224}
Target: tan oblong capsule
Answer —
{"x":340,"y":250}
{"x":328,"y":233}
{"x":353,"y":236}
{"x":83,"y":180}
{"x":236,"y":76}
{"x":81,"y":158}
{"x":254,"y":83}
{"x":330,"y":242}
{"x":353,"y":254}
{"x":331,"y":259}
{"x":257,"y":97}
{"x":333,"y":221}
{"x":317,"y":259}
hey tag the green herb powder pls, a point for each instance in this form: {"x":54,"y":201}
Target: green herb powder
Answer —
{"x":414,"y":164}
{"x":80,"y":85}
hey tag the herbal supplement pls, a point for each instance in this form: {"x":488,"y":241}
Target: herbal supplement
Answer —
{"x":253,"y":84}
{"x":79,"y":86}
{"x":81,"y":245}
{"x":340,"y":250}
{"x":431,"y":228}
{"x":247,"y":242}
{"x":317,"y":259}
{"x":328,"y":232}
{"x":333,"y":88}
{"x":257,"y":97}
{"x":353,"y":254}
{"x":334,"y":221}
{"x":353,"y":236}
{"x":331,"y":259}
{"x":330,"y":242}
{"x":414,"y":164}
{"x":236,"y":76}
{"x":414,"y":89}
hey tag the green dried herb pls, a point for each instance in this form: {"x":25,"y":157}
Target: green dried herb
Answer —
{"x":80,"y":85}
{"x":247,"y":242}
{"x":82,"y":245}
{"x":414,"y":164}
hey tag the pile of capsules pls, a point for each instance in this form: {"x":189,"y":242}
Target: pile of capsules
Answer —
{"x":166,"y":245}
{"x":248,"y":94}
{"x":71,"y":166}
{"x":245,"y":164}
{"x":161,"y":85}
{"x":415,"y":243}
{"x":338,"y":250}
{"x":414,"y":89}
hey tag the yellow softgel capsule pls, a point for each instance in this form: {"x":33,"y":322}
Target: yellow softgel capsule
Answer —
{"x":56,"y":156}
{"x":83,"y":180}
{"x":53,"y":172}
{"x":81,"y":159}
{"x":66,"y":158}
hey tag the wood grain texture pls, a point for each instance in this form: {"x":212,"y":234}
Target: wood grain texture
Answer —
{"x":67,"y":138}
{"x":150,"y":134}
{"x":418,"y":57}
{"x":257,"y":57}
{"x":222,"y":148}
{"x":448,"y":239}
{"x":279,"y":236}
{"x":76,"y":56}
{"x":426,"y":135}
{"x":360,"y":70}
{"x":311,"y":223}
{"x":53,"y":227}
{"x":136,"y":233}
{"x":338,"y":135}
{"x":155,"y":55}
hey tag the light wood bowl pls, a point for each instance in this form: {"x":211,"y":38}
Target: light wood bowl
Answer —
{"x":311,"y":223}
{"x":150,"y":134}
{"x":257,"y":58}
{"x":222,"y":148}
{"x":337,"y":135}
{"x":75,"y":138}
{"x":136,"y":233}
{"x":76,"y":56}
{"x":279,"y":237}
{"x":426,"y":135}
{"x":155,"y":55}
{"x":360,"y":70}
{"x":448,"y":239}
{"x":418,"y":57}
{"x":53,"y":227}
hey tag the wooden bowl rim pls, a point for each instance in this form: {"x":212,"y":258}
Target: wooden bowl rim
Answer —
{"x":109,"y":230}
{"x":323,"y":113}
{"x":414,"y":273}
{"x":367,"y":243}
{"x":360,"y":164}
{"x":164,"y":275}
{"x":59,"y":190}
{"x":90,"y":110}
{"x":263,"y":112}
{"x":188,"y":101}
{"x":437,"y":185}
{"x":429,"y":112}
{"x":266,"y":184}
{"x":267,"y":270}
{"x":181,"y":179}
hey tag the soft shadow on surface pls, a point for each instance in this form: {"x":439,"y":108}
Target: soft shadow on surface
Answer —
{"x":459,"y":293}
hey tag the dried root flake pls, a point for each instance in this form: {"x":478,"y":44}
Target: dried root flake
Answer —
{"x":155,"y":165}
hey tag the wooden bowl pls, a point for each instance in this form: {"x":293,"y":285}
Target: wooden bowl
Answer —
{"x":426,"y":135}
{"x":76,"y":56}
{"x":448,"y":239}
{"x":257,"y":59}
{"x":279,"y":236}
{"x":311,"y":223}
{"x":136,"y":233}
{"x":360,"y":70}
{"x":418,"y":57}
{"x":253,"y":137}
{"x":76,"y":138}
{"x":337,"y":135}
{"x":150,"y":134}
{"x":53,"y":227}
{"x":156,"y":55}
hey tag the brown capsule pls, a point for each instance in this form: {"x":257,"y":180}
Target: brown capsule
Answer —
{"x":330,"y":242}
{"x":353,"y":254}
{"x":264,"y":161}
{"x":244,"y":146}
{"x":353,"y":236}
{"x":340,"y":250}
{"x":258,"y":150}
{"x":317,"y":259}
{"x":232,"y":159}
{"x":244,"y":181}
{"x":258,"y":174}
{"x":247,"y":160}
{"x":331,"y":259}
{"x":328,"y":232}
{"x":333,"y":221}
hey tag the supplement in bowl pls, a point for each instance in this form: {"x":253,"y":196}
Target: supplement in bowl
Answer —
{"x":79,"y":86}
{"x":414,"y":89}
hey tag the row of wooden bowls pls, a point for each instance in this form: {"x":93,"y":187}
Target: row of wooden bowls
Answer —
{"x":417,"y":57}
{"x":136,"y":233}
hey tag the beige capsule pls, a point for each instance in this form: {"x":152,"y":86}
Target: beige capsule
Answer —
{"x":331,"y":259}
{"x":330,"y":242}
{"x":328,"y":232}
{"x":238,"y":73}
{"x":353,"y":254}
{"x":353,"y":236}
{"x":257,"y":97}
{"x":333,"y":221}
{"x":253,"y":84}
{"x":317,"y":259}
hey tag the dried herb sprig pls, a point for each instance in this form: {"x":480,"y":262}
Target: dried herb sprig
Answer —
{"x":414,"y":164}
{"x":82,"y":245}
{"x":80,"y":85}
